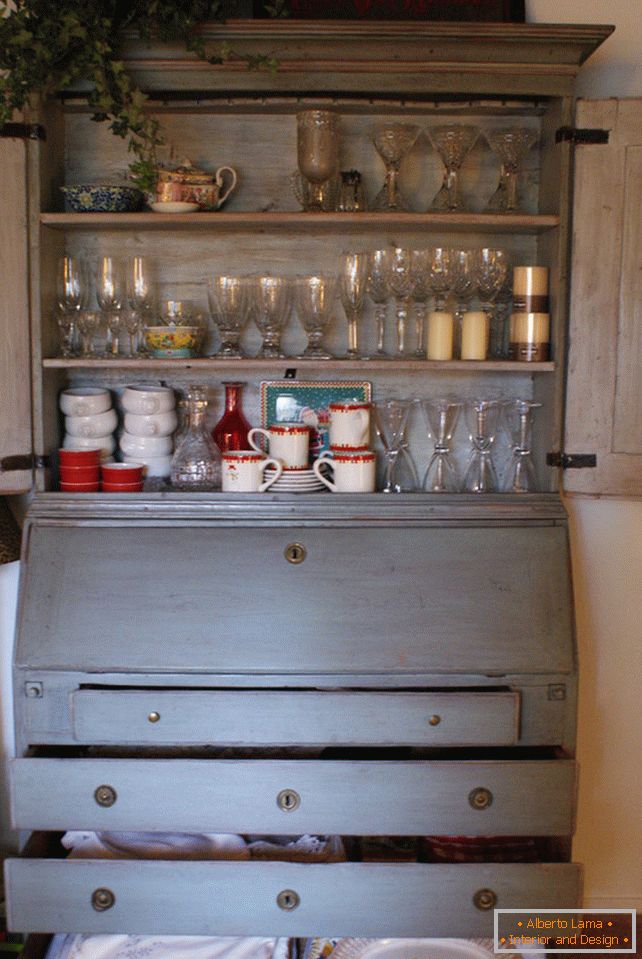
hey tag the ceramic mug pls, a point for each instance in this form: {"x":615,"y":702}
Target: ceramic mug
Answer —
{"x":350,"y":426}
{"x":243,"y":471}
{"x":352,"y":472}
{"x":85,"y":401}
{"x":98,"y":424}
{"x":148,"y":399}
{"x":211,"y":196}
{"x":287,"y":442}
{"x":151,"y":424}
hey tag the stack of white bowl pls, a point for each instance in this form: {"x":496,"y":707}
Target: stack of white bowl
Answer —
{"x":149,"y":422}
{"x":90,"y":420}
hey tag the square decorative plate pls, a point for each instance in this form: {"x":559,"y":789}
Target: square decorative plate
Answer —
{"x":300,"y":401}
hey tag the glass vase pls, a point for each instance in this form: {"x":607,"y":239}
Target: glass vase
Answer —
{"x":230,"y":433}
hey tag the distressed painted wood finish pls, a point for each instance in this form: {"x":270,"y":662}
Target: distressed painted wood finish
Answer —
{"x":604,"y":406}
{"x":227,"y":600}
{"x":343,"y":899}
{"x":285,"y":718}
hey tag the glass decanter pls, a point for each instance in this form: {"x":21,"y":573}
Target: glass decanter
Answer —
{"x":196,"y":464}
{"x":230,"y":433}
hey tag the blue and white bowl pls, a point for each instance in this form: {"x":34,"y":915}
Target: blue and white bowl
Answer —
{"x":101,"y":198}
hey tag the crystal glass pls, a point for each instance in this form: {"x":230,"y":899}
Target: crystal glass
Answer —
{"x":110,"y":295}
{"x":66,"y":323}
{"x":353,"y":279}
{"x":481,"y":419}
{"x":440,"y":277}
{"x":391,"y":420}
{"x":229,"y":304}
{"x":196,"y":464}
{"x":230,"y":433}
{"x":462,"y":279}
{"x":314,"y":297}
{"x":511,"y":146}
{"x":490,"y":270}
{"x":453,"y":143}
{"x":517,"y":418}
{"x":317,"y":151}
{"x":270,"y":305}
{"x":378,"y":290}
{"x":441,"y":416}
{"x":72,"y":284}
{"x":401,"y":284}
{"x":87,"y":322}
{"x":421,"y":290}
{"x":393,"y":142}
{"x":140,"y":282}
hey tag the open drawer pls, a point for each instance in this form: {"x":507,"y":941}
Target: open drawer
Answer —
{"x":284,"y":899}
{"x":452,"y":797}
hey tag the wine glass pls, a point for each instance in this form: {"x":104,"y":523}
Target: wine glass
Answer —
{"x":511,"y":145}
{"x":393,"y":142}
{"x":140,"y":284}
{"x":72,"y":285}
{"x":439,"y":270}
{"x":317,"y":151}
{"x":228,"y":298}
{"x":490,"y":270}
{"x":420,"y":271}
{"x":378,"y":290}
{"x":453,"y":142}
{"x":441,"y":416}
{"x":518,"y":422}
{"x":353,"y":278}
{"x":87,"y":326}
{"x":391,"y":420}
{"x":462,"y":287}
{"x":110,"y":295}
{"x":314,"y":297}
{"x":481,"y":417}
{"x":400,"y":281}
{"x":271,"y":301}
{"x":66,"y":323}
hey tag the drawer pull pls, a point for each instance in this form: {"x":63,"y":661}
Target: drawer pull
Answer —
{"x":434,"y":720}
{"x":295,"y":553}
{"x":288,"y":800}
{"x":102,"y":899}
{"x":480,"y":798}
{"x":153,"y":717}
{"x":485,"y":899}
{"x":288,"y":899}
{"x":105,"y":795}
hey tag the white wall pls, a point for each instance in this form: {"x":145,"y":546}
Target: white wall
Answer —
{"x":605,"y":538}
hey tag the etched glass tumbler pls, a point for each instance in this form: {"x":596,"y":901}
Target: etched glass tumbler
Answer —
{"x":317,"y":152}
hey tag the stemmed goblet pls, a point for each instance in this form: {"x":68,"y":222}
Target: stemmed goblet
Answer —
{"x":314,"y":298}
{"x":441,"y":417}
{"x":72,"y":295}
{"x":140,"y":297}
{"x":453,"y":143}
{"x":110,"y":295}
{"x":353,"y":279}
{"x":490,"y":270}
{"x":518,"y":422}
{"x":391,"y":420}
{"x":401,"y":283}
{"x":439,"y":269}
{"x":393,"y":142}
{"x":228,"y":297}
{"x":87,"y":326}
{"x":421,"y":290}
{"x":378,"y":290}
{"x":317,"y":152}
{"x":481,"y":416}
{"x":511,"y":146}
{"x":270,"y":306}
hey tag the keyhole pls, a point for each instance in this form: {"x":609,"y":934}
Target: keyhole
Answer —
{"x":288,"y":899}
{"x":480,"y":798}
{"x":288,"y":800}
{"x":295,"y":553}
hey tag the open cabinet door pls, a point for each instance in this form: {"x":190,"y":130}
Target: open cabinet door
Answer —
{"x":16,"y":444}
{"x":603,"y":404}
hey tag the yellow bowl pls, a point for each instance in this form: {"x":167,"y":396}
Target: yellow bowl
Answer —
{"x":180,"y":342}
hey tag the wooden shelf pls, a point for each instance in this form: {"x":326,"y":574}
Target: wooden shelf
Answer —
{"x":299,"y":221}
{"x":216,"y":364}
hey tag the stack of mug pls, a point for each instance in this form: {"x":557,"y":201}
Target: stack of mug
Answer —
{"x":530,"y":326}
{"x":350,"y":458}
{"x":149,"y":422}
{"x":90,"y":420}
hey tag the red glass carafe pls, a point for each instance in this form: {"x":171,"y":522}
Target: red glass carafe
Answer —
{"x":230,"y":433}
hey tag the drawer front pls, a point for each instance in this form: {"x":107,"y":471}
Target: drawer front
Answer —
{"x":295,"y":718}
{"x":371,"y":798}
{"x":277,"y":899}
{"x":393,"y":600}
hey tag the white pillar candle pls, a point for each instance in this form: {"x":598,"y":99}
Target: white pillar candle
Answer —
{"x":440,"y":335}
{"x":474,"y":335}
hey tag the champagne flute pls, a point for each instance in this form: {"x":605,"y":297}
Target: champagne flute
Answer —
{"x":110,"y":296}
{"x":353,"y":278}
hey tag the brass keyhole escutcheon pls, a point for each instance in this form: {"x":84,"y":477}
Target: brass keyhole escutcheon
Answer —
{"x":102,"y":899}
{"x":485,"y":899}
{"x":288,"y":800}
{"x":295,"y":553}
{"x":480,"y":798}
{"x":288,"y":899}
{"x":434,"y":720}
{"x":105,"y":795}
{"x":153,"y":717}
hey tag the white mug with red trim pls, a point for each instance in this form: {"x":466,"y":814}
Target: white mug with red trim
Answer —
{"x":287,"y":442}
{"x":349,"y":426}
{"x":242,"y":471}
{"x":352,"y":472}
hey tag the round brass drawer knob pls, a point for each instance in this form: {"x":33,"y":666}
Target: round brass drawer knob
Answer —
{"x":288,"y":899}
{"x":480,"y":798}
{"x":434,"y":720}
{"x":485,"y":899}
{"x":288,"y":800}
{"x":295,"y":553}
{"x":153,"y":717}
{"x":105,"y":795}
{"x":102,"y":899}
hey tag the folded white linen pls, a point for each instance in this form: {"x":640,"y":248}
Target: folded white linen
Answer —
{"x":166,"y":947}
{"x":154,"y":845}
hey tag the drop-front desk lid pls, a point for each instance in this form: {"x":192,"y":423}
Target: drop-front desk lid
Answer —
{"x":367,"y":586}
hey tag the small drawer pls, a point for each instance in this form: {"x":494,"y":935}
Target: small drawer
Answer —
{"x":277,"y":899}
{"x":477,"y":798}
{"x":302,"y":718}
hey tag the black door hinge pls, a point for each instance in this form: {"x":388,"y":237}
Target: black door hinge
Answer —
{"x":23,"y":131}
{"x":578,"y":135}
{"x":24,"y":461}
{"x":571,"y":461}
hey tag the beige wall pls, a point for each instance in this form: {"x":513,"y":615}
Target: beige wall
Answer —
{"x":606,"y":536}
